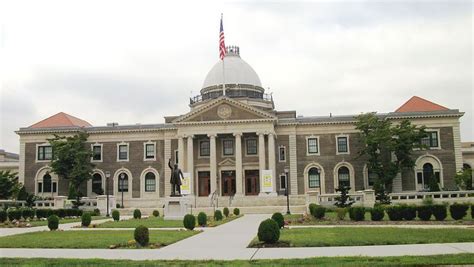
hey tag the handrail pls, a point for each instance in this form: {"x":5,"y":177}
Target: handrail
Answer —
{"x":214,"y":197}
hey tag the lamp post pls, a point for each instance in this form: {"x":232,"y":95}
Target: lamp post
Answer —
{"x":107,"y":176}
{"x":122,"y":179}
{"x":286,"y":192}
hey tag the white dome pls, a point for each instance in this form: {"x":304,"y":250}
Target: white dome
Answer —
{"x":237,"y":71}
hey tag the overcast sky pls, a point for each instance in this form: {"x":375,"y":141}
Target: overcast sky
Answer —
{"x":137,"y":61}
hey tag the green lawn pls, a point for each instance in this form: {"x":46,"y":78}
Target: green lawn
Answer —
{"x":61,"y":221}
{"x":364,"y":236}
{"x":87,"y":239}
{"x":322,"y":261}
{"x":158,"y":222}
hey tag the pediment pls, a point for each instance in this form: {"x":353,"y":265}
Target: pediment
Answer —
{"x":227,"y":162}
{"x":224,"y":109}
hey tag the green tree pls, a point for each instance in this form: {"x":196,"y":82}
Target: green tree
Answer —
{"x":71,"y":161}
{"x":463,"y":179}
{"x":9,"y":185}
{"x":387,"y":148}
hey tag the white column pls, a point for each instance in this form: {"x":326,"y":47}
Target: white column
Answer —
{"x":181,"y":152}
{"x":213,"y":163}
{"x":167,"y":156}
{"x":293,"y":165}
{"x":271,"y":160}
{"x":238,"y":164}
{"x":261,"y":159}
{"x":190,"y":162}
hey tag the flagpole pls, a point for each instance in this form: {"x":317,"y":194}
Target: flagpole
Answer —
{"x":223,"y":66}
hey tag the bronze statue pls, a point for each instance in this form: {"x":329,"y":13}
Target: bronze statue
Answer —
{"x":175,"y":180}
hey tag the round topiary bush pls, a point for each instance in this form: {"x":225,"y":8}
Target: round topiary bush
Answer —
{"x":278,"y":218}
{"x":268,"y":231}
{"x":142,"y":235}
{"x":202,"y":219}
{"x":116,"y":215}
{"x":86,"y":219}
{"x":377,"y":213}
{"x":395,"y":213}
{"x":53,"y":222}
{"x":408,"y":212}
{"x":137,"y":214}
{"x":458,"y":210}
{"x":156,"y":213}
{"x":357,"y":213}
{"x":424,"y":212}
{"x":236,"y":211}
{"x":218,"y":215}
{"x":318,"y":211}
{"x":3,"y":216}
{"x":440,"y":212}
{"x":189,"y":221}
{"x":226,"y":212}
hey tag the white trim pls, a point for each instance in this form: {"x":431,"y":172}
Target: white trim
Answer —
{"x":279,"y":181}
{"x":90,"y":193}
{"x":39,"y":178}
{"x":233,"y":147}
{"x":143,"y":193}
{"x":256,"y":142}
{"x":322,"y":183}
{"x":144,"y":151}
{"x":307,"y":148}
{"x":284,"y":148}
{"x":200,"y":140}
{"x":118,"y":151}
{"x":101,"y":152}
{"x":337,"y":145}
{"x":351,"y":175}
{"x":117,"y":194}
{"x":36,"y":153}
{"x":434,"y":161}
{"x":438,"y":137}
{"x":365,"y":174}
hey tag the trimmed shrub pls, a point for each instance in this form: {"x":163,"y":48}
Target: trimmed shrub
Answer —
{"x":458,"y":210}
{"x":377,"y":213}
{"x":341,"y":213}
{"x":311,"y":208}
{"x":142,"y":235}
{"x":96,"y":212}
{"x":236,"y":211}
{"x":408,"y":212}
{"x":318,"y":212}
{"x":440,"y":212}
{"x":116,"y":215}
{"x":202,"y":219}
{"x":189,"y":221}
{"x":278,"y":217}
{"x":42,"y":213}
{"x":62,"y":213}
{"x":218,"y":215}
{"x":357,"y":213}
{"x":226,"y":212}
{"x":268,"y":231}
{"x":156,"y":213}
{"x":3,"y":216}
{"x":27,"y":213}
{"x":53,"y":222}
{"x":137,"y":214}
{"x":424,"y":212}
{"x":14,"y":214}
{"x":86,"y":219}
{"x":395,"y":213}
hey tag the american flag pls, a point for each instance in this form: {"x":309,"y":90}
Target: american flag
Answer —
{"x":221,"y":42}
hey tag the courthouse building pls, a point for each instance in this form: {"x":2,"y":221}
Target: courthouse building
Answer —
{"x":239,"y":148}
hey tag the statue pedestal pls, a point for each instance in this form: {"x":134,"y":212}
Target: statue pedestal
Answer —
{"x":176,"y":207}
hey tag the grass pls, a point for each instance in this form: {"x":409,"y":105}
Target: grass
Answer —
{"x":87,"y":239}
{"x":44,"y":223}
{"x":159,"y":222}
{"x":364,"y":236}
{"x":320,"y":261}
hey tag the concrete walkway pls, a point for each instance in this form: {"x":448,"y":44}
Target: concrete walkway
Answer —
{"x":229,"y":241}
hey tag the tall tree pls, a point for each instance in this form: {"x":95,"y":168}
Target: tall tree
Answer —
{"x":388,"y":148}
{"x":9,"y":185}
{"x":71,"y":161}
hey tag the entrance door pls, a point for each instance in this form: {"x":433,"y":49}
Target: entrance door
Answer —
{"x":228,"y":183}
{"x":204,"y":183}
{"x":252,"y":182}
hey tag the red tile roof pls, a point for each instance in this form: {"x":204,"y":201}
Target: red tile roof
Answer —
{"x":61,"y":120}
{"x":417,"y":104}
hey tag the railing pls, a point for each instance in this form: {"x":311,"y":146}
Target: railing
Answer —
{"x":441,"y":196}
{"x":89,"y":203}
{"x":5,"y":203}
{"x":40,"y":204}
{"x":231,"y":94}
{"x":215,"y":200}
{"x":330,"y":199}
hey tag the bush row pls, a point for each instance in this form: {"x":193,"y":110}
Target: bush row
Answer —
{"x":29,"y":213}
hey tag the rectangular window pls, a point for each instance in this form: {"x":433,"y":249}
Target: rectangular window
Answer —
{"x":283,"y":181}
{"x":149,"y":151}
{"x":123,"y":185}
{"x":45,"y":152}
{"x":314,"y":180}
{"x":431,"y":140}
{"x":419,"y":178}
{"x":123,"y":152}
{"x":150,"y":185}
{"x":282,"y":154}
{"x":313,"y":145}
{"x":55,"y":185}
{"x":204,"y":148}
{"x":251,"y":145}
{"x":40,"y":187}
{"x":176,"y":157}
{"x":97,"y":153}
{"x":228,"y":146}
{"x":342,"y":145}
{"x":371,"y":178}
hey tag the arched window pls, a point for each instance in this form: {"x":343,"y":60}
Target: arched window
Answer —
{"x":343,"y":176}
{"x":47,"y":187}
{"x":314,"y":178}
{"x":123,"y":182}
{"x":150,"y":182}
{"x":97,"y":184}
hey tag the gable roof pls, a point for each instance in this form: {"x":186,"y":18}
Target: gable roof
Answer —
{"x":61,"y":120}
{"x":418,"y":104}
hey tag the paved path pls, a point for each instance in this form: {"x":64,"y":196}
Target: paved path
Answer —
{"x":229,"y":242}
{"x":418,"y":226}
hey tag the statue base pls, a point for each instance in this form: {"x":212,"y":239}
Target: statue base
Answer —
{"x":176,"y":207}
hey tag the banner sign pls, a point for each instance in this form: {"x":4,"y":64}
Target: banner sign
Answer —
{"x":186,"y":184}
{"x":267,"y":180}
